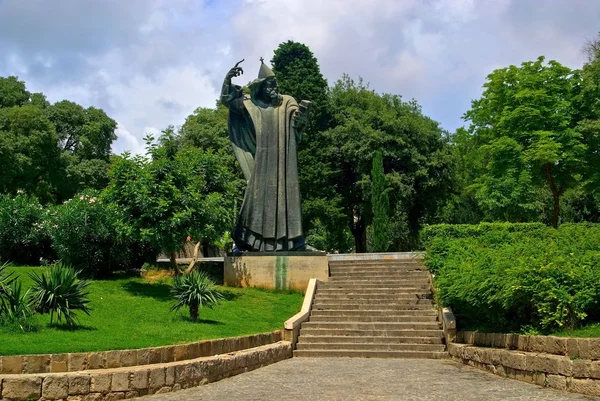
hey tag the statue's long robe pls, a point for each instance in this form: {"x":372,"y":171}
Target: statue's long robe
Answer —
{"x":265,"y":141}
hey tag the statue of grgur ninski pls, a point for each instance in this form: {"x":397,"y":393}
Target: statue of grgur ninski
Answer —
{"x":265,"y":129}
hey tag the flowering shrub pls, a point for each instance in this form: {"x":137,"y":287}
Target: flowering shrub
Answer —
{"x":24,"y":230}
{"x":83,"y":234}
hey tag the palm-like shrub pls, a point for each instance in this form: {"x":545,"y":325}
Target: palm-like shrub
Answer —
{"x":195,"y":290}
{"x":16,"y":308}
{"x":5,"y":280}
{"x":60,"y":291}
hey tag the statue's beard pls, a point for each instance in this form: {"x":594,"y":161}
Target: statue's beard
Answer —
{"x":272,"y":96}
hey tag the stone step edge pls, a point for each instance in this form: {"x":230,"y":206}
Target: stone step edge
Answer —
{"x":372,"y":354}
{"x":135,"y":381}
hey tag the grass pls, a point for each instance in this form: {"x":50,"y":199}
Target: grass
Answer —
{"x":591,"y":330}
{"x":133,"y":312}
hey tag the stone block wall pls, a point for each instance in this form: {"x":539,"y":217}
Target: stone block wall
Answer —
{"x":75,"y":362}
{"x":569,"y":364}
{"x":130,"y":382}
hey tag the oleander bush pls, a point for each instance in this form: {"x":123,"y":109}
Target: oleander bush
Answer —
{"x":508,"y":277}
{"x":24,"y":233}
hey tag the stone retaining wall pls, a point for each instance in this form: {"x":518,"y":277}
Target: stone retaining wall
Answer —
{"x":584,"y":348}
{"x":130,"y":382}
{"x":570,"y":364}
{"x":75,"y":362}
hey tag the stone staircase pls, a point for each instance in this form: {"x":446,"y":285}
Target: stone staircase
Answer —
{"x":373,"y":308}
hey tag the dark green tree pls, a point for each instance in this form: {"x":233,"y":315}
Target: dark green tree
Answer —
{"x":528,"y":112}
{"x":298,"y":75}
{"x":13,"y":92}
{"x":416,"y":159}
{"x":171,"y":193}
{"x":29,"y":154}
{"x":380,"y":202}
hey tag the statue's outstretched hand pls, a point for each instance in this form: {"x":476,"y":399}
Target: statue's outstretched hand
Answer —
{"x":236,"y":71}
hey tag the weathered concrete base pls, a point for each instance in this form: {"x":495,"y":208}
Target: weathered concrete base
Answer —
{"x":122,"y":383}
{"x":275,"y":270}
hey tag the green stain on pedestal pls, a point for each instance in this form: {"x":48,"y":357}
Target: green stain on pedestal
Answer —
{"x":281,"y":266}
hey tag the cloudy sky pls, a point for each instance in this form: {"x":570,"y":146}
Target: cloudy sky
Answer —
{"x":150,"y":63}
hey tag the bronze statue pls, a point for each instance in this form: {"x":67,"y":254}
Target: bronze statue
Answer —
{"x":264,"y":129}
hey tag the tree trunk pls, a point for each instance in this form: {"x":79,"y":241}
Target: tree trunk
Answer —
{"x":174,"y":262}
{"x":194,"y":258}
{"x":555,"y":195}
{"x":359,"y":231}
{"x":194,"y":312}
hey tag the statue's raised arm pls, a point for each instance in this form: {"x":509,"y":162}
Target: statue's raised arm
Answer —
{"x":232,"y":95}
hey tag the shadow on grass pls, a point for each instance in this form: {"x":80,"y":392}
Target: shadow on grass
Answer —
{"x":228,"y":295}
{"x":184,"y":317}
{"x":66,"y":327}
{"x":158,"y":291}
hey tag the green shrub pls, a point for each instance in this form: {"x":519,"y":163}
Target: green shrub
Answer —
{"x":16,"y":307}
{"x":84,"y":235}
{"x":60,"y":291}
{"x":511,"y":278}
{"x":194,"y":290}
{"x":24,"y":231}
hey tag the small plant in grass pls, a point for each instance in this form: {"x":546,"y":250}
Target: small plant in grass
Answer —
{"x":5,"y":280}
{"x":60,"y":291}
{"x":194,"y":290}
{"x":17,"y":307}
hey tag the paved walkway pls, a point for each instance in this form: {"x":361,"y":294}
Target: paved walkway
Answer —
{"x":367,"y":379}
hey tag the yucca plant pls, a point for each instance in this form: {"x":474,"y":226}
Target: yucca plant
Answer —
{"x":17,"y":306}
{"x":194,"y":290}
{"x":6,"y":279}
{"x":60,"y":291}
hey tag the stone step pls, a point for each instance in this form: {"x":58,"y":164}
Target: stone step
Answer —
{"x":378,"y":301}
{"x":424,"y":292}
{"x":371,"y":262}
{"x":381,"y":269}
{"x":370,"y":297}
{"x":375,"y":273}
{"x":389,"y":318}
{"x":377,"y":306}
{"x":371,"y":346}
{"x":378,"y":281}
{"x":336,"y":285}
{"x":371,"y":332}
{"x":378,"y":312}
{"x":370,"y":354}
{"x":369,"y":339}
{"x":372,"y":325}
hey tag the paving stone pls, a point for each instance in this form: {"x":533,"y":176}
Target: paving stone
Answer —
{"x":337,"y":379}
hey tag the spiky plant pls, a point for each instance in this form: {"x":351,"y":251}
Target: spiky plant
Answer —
{"x":6,"y":279}
{"x":60,"y":291}
{"x":194,"y":290}
{"x":17,"y":306}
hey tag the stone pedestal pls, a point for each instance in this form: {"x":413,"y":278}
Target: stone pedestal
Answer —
{"x":276,"y":270}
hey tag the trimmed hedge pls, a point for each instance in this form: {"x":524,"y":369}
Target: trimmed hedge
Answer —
{"x":507,"y":277}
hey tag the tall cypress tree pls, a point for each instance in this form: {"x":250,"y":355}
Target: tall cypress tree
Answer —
{"x":380,"y":203}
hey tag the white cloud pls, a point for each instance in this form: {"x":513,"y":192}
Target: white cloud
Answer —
{"x":150,"y":63}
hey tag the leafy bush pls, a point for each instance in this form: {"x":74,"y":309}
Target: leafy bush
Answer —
{"x":513,"y":278}
{"x":438,"y":238}
{"x":24,"y":234}
{"x":60,"y":291}
{"x":194,"y":290}
{"x":92,"y":235}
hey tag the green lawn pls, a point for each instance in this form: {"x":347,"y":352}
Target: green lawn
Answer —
{"x":132,"y":312}
{"x":591,"y":330}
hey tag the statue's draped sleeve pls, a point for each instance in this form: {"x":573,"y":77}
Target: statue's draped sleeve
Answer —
{"x":241,"y":129}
